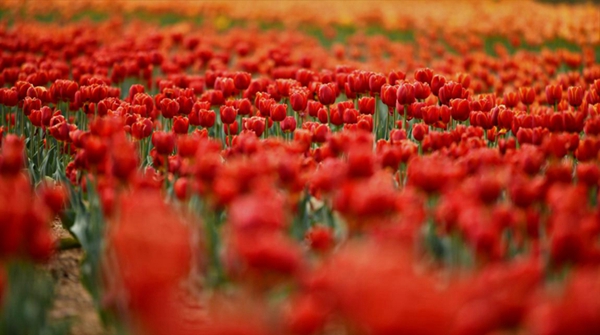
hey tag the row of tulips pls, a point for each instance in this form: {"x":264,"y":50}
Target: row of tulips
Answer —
{"x":215,"y":177}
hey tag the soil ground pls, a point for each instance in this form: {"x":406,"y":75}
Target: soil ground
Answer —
{"x":72,"y":302}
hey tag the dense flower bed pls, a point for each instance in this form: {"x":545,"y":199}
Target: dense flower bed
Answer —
{"x":257,"y":181}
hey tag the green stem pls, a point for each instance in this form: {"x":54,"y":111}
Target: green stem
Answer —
{"x":405,"y":111}
{"x":266,"y":127}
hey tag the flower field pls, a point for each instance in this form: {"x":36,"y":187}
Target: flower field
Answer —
{"x":325,"y":168}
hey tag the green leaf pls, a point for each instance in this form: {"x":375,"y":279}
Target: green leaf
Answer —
{"x":30,"y":296}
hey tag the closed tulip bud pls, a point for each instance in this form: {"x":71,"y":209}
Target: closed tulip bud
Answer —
{"x":593,"y":96}
{"x":215,"y":97}
{"x":527,"y":95}
{"x":299,"y":101}
{"x":134,"y":90}
{"x":304,"y":76}
{"x":511,"y":99}
{"x":366,"y":105}
{"x":437,"y":81}
{"x":30,"y":104}
{"x":278,"y":112}
{"x":9,"y":97}
{"x":422,"y":90}
{"x":69,"y":89}
{"x":419,"y":131}
{"x":181,"y":124}
{"x":207,"y":118}
{"x":35,"y":117}
{"x":255,"y":124}
{"x":241,"y":80}
{"x":225,"y":85}
{"x":264,"y":106}
{"x":376,"y":81}
{"x":327,"y":94}
{"x":445,"y":114}
{"x":22,"y":88}
{"x":451,"y":90}
{"x":244,"y":106}
{"x":365,"y":122}
{"x":323,"y":115}
{"x":395,"y":76}
{"x":350,"y":116}
{"x":98,"y":93}
{"x":289,"y":124}
{"x":405,"y":94}
{"x":169,"y":108}
{"x":575,"y":96}
{"x":553,"y":94}
{"x":141,"y":129}
{"x":389,"y":95}
{"x":431,"y":114}
{"x":481,"y":119}
{"x":313,"y":108}
{"x":461,"y":109}
{"x":231,"y":128}
{"x":163,"y":142}
{"x":505,"y":118}
{"x":321,"y":133}
{"x":228,"y":114}
{"x":524,"y":135}
{"x":424,"y":75}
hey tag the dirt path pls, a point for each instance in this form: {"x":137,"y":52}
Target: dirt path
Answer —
{"x":72,"y":302}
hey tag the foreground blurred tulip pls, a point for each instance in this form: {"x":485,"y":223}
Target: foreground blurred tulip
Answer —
{"x":149,"y":264}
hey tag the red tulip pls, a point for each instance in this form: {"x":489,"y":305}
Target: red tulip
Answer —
{"x":228,"y":114}
{"x":163,"y":142}
{"x":327,"y":94}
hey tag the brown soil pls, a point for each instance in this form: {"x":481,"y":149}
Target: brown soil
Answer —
{"x":72,"y":301}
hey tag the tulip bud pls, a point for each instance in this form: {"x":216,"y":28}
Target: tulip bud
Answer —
{"x":553,"y":94}
{"x":527,"y":95}
{"x":327,"y":94}
{"x":460,"y":109}
{"x":424,"y":75}
{"x":405,"y":94}
{"x":289,"y":124}
{"x":278,"y":112}
{"x":242,"y":80}
{"x":163,"y":142}
{"x":207,"y":118}
{"x":366,"y":105}
{"x":228,"y":114}
{"x":575,"y":96}
{"x":299,"y":101}
{"x":181,"y":125}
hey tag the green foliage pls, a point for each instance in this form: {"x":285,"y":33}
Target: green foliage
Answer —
{"x":29,"y":298}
